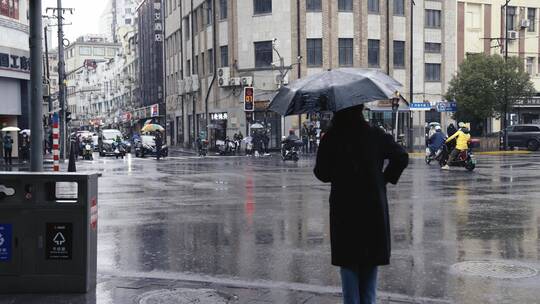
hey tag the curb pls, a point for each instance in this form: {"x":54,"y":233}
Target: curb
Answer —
{"x":420,"y":154}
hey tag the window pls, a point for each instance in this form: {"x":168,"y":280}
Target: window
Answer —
{"x":224,"y":56}
{"x":99,"y":51}
{"x":313,"y":5}
{"x":262,"y":7}
{"x":530,"y":129}
{"x":263,"y":54}
{"x":223,"y":9}
{"x":188,"y":70}
{"x":511,"y":18}
{"x":399,"y":7}
{"x":186,"y":28}
{"x":399,"y":54}
{"x":210,"y":61}
{"x":432,"y":47}
{"x":209,"y":12}
{"x":345,"y":5}
{"x":127,"y":21}
{"x":84,"y":51}
{"x":530,"y":65}
{"x":314,"y":52}
{"x":127,"y":10}
{"x":373,"y":6}
{"x":345,"y":51}
{"x":203,"y":70}
{"x":433,"y":18}
{"x":373,"y":53}
{"x":196,"y":64}
{"x":195,"y":21}
{"x":531,"y":15}
{"x":433,"y":72}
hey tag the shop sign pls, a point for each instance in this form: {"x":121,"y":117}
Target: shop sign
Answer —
{"x":420,"y":106}
{"x":154,"y":110}
{"x":219,"y":116}
{"x":158,"y":26}
{"x":446,"y":106}
{"x":14,"y":62}
{"x":9,"y":8}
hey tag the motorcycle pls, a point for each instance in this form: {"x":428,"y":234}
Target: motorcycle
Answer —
{"x":203,"y":148}
{"x":291,"y":151}
{"x":87,"y":152}
{"x":433,"y":156}
{"x":226,"y":147}
{"x":465,"y":159}
{"x":119,"y":150}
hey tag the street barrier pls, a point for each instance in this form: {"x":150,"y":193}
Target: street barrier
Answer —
{"x":48,"y":232}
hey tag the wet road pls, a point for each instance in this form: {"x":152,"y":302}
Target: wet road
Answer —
{"x":262,"y":221}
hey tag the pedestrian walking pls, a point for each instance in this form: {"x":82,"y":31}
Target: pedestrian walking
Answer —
{"x":159,"y":144}
{"x":8,"y":149}
{"x":265,"y":141}
{"x":351,"y":157}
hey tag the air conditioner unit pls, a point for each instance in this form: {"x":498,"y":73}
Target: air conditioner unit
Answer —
{"x":513,"y":35}
{"x":188,"y":81}
{"x":181,"y":87}
{"x":525,"y":23}
{"x":195,"y":84}
{"x":235,"y":81}
{"x":278,"y":79}
{"x":224,"y":74}
{"x":247,"y":81}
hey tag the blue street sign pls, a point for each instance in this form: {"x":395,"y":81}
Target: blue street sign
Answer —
{"x":420,"y":106}
{"x":5,"y":242}
{"x":447,"y":106}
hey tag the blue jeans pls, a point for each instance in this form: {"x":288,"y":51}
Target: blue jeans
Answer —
{"x":359,"y":285}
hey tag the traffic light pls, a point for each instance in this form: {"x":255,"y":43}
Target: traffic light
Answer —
{"x":249,"y":99}
{"x":68,"y":116}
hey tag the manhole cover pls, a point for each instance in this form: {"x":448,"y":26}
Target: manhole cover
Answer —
{"x":495,"y":269}
{"x":182,"y":296}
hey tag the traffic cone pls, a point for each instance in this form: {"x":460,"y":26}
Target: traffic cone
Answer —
{"x":71,"y":165}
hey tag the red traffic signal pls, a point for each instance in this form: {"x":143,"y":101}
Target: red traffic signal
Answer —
{"x":249,"y":99}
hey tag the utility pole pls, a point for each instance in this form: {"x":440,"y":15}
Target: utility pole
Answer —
{"x":47,"y":72}
{"x":411,"y":77}
{"x":59,"y":10}
{"x":36,"y":84}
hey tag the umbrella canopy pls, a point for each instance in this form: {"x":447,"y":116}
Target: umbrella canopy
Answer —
{"x":257,"y":126}
{"x":25,"y":131}
{"x":334,"y":90}
{"x":11,"y":129}
{"x":152,"y":128}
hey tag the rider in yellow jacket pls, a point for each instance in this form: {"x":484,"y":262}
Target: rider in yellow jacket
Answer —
{"x":462,"y":143}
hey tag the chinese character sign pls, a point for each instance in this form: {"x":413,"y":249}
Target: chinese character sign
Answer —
{"x":158,"y":26}
{"x":249,"y":99}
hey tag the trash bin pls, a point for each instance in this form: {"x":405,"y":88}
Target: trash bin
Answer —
{"x":48,"y":239}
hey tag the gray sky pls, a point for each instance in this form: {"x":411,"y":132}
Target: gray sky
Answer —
{"x":85,"y":18}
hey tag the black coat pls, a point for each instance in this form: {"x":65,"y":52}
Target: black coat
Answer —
{"x":352,"y":161}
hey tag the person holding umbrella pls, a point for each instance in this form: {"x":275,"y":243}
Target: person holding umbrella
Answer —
{"x":159,"y":143}
{"x":351,"y":156}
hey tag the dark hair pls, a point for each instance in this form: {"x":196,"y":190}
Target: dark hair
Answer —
{"x":352,"y":117}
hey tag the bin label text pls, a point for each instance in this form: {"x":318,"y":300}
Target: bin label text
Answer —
{"x":6,"y":232}
{"x":59,"y":241}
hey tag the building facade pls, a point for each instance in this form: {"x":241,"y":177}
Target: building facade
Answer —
{"x":14,"y":67}
{"x":150,"y":63}
{"x":257,"y":41}
{"x":483,"y":28}
{"x":117,"y":13}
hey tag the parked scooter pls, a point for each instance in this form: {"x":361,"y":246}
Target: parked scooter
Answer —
{"x":465,"y":159}
{"x":226,"y":147}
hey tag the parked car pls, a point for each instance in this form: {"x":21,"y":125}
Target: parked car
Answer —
{"x":147,"y":146}
{"x":106,"y":138}
{"x":523,"y":136}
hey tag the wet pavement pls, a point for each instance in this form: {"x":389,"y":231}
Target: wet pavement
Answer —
{"x":256,"y":231}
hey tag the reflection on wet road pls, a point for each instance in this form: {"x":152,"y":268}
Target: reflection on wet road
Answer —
{"x":262,"y":219}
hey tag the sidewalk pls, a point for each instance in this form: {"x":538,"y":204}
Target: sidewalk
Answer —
{"x":153,"y":288}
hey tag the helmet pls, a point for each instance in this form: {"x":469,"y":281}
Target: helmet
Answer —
{"x":461,"y":124}
{"x":438,"y":128}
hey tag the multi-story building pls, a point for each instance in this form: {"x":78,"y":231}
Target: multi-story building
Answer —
{"x":85,"y":52}
{"x":14,"y":67}
{"x":310,"y":36}
{"x":151,"y":103}
{"x":117,"y":13}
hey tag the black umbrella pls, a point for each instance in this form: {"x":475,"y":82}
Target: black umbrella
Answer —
{"x":334,"y":90}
